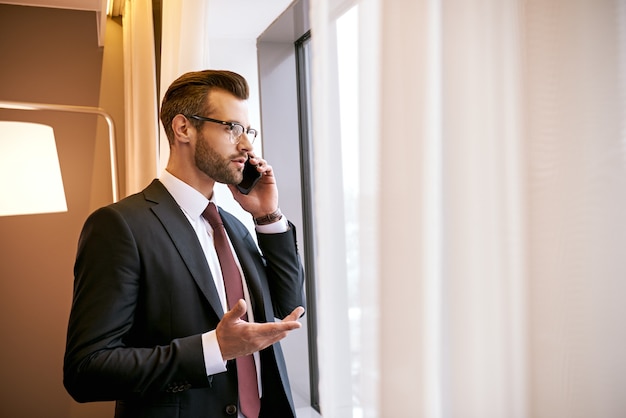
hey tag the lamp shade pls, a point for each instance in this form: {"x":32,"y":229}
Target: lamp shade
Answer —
{"x":30,"y":175}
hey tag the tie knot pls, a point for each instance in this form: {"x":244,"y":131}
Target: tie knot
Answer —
{"x":211,"y":215}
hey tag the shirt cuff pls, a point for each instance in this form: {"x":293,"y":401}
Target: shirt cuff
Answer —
{"x":277,"y":227}
{"x":213,"y":361}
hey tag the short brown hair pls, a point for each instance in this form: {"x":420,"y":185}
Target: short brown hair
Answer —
{"x":187,"y":94}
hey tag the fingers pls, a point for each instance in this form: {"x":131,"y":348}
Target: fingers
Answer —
{"x":275,"y":329}
{"x":295,"y":314}
{"x":261,"y":165}
{"x":236,"y":312}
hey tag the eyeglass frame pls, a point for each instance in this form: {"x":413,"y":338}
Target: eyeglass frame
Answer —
{"x":251,"y":132}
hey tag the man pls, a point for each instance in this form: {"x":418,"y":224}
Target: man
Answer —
{"x":152,"y":324}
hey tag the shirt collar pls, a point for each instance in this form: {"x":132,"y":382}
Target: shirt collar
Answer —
{"x":189,"y":199}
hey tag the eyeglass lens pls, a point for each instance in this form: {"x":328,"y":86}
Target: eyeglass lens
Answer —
{"x":237,"y":130}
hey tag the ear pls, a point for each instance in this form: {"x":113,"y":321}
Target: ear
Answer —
{"x":182,"y":129}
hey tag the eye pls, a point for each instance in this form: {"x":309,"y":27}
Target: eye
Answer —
{"x":236,"y":130}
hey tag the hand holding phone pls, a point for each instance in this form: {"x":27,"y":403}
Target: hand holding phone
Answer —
{"x":250,"y":177}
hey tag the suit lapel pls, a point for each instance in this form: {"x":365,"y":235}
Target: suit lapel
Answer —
{"x":184,"y":239}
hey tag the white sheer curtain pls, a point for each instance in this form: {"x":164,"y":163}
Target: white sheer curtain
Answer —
{"x":346,"y":203}
{"x":140,"y":95}
{"x":492,"y":174}
{"x":575,"y":105}
{"x":184,"y":48}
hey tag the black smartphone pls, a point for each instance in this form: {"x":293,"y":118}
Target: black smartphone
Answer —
{"x":250,"y":177}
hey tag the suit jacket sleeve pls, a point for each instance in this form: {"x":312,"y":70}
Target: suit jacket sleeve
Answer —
{"x":283,"y":265}
{"x":100,"y":362}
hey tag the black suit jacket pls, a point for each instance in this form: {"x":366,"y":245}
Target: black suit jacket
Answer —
{"x":143,"y":295}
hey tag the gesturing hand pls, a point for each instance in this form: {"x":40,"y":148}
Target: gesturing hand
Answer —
{"x":238,"y":338}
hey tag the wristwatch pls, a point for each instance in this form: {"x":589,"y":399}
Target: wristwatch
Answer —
{"x":269,"y":219}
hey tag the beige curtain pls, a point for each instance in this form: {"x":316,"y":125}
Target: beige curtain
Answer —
{"x":140,"y":95}
{"x":490,"y":210}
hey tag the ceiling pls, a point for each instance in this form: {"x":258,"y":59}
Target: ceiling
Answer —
{"x":95,"y":5}
{"x":253,"y":16}
{"x":98,"y":6}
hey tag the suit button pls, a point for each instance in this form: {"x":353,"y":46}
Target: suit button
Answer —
{"x":231,"y":409}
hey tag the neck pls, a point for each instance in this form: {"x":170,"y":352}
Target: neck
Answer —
{"x":195,"y":178}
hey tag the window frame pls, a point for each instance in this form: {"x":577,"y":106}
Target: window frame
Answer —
{"x":284,"y":42}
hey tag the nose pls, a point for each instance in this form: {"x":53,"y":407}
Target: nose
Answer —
{"x":245,"y":144}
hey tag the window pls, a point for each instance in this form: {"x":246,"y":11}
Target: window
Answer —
{"x":285,"y":84}
{"x":282,"y":123}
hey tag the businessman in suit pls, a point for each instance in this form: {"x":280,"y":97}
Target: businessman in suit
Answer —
{"x":152,"y":325}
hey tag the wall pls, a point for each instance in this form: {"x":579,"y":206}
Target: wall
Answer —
{"x":280,"y":128}
{"x":48,"y":56}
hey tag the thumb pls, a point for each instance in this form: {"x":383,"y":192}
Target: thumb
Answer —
{"x":236,"y":312}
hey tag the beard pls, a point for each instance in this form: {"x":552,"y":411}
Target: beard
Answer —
{"x":214,"y":165}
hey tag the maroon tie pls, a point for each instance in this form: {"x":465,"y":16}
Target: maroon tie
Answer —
{"x":246,"y":372}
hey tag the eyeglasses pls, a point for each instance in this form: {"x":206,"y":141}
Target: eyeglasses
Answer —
{"x":236,"y":129}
